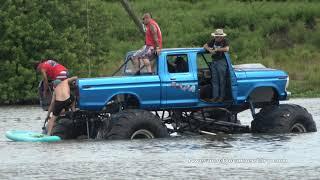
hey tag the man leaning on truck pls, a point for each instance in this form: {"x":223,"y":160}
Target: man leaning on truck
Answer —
{"x":217,"y":46}
{"x":62,"y":99}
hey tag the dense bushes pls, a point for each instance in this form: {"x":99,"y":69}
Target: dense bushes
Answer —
{"x":279,"y":34}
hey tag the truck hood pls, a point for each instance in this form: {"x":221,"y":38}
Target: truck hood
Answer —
{"x":258,"y":71}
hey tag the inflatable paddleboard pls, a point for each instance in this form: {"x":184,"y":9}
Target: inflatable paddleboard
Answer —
{"x":29,"y":136}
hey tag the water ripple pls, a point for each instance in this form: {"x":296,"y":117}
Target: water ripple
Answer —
{"x":233,"y":156}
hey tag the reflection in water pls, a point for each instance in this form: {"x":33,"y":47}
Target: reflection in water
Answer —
{"x":238,"y":156}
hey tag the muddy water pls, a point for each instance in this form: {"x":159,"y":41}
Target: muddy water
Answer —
{"x":241,"y":156}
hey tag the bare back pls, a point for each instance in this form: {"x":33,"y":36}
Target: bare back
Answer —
{"x":62,"y":91}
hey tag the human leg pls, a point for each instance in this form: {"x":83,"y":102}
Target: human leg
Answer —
{"x":136,"y":64}
{"x":147,"y":63}
{"x":222,"y":69}
{"x":57,"y":109}
{"x":137,"y":57}
{"x":214,"y":80}
{"x":146,"y":55}
{"x":51,"y":124}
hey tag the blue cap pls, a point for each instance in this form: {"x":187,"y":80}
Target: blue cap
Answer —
{"x":56,"y":82}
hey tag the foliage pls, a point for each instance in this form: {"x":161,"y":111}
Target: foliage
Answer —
{"x":91,"y":37}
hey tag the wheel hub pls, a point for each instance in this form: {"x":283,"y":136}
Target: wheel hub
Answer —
{"x":298,"y":128}
{"x":142,"y":134}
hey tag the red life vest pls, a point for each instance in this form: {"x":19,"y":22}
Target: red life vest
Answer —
{"x":149,"y":38}
{"x":52,"y":68}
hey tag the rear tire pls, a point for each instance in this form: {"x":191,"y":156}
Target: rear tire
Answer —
{"x":284,"y":118}
{"x":63,"y":128}
{"x":134,"y":124}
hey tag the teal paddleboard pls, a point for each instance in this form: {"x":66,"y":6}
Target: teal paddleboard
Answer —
{"x":29,"y":136}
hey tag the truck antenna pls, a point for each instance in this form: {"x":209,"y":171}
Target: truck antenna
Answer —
{"x":133,"y":16}
{"x":88,"y":47}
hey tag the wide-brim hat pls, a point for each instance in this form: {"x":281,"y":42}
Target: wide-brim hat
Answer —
{"x":218,"y":33}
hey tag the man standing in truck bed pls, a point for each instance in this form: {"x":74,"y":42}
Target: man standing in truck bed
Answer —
{"x":153,"y":43}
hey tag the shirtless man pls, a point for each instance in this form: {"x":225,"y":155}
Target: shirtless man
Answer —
{"x":61,"y":99}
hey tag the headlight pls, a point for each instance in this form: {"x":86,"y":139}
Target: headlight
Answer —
{"x":287,"y":83}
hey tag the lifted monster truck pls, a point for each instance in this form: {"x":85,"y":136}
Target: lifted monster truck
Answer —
{"x":136,"y":104}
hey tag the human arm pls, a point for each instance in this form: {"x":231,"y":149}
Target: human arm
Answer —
{"x":45,"y":81}
{"x":209,"y":49}
{"x":73,"y":78}
{"x":70,"y":81}
{"x":50,"y":109}
{"x":224,"y":49}
{"x":73,"y":106}
{"x":155,"y":38}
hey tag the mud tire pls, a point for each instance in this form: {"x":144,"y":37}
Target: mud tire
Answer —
{"x":133,"y":124}
{"x":284,"y":118}
{"x":64,"y":128}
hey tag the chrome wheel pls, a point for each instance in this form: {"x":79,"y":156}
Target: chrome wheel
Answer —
{"x":298,"y":128}
{"x":142,"y":134}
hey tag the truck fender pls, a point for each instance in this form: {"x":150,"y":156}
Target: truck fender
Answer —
{"x":127,"y":99}
{"x":263,"y":94}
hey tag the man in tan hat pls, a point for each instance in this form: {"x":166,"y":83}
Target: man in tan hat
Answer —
{"x":217,"y":46}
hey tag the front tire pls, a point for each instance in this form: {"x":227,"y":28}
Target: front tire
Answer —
{"x":134,"y":124}
{"x":284,"y":118}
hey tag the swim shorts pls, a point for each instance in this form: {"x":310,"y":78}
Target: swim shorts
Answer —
{"x":59,"y":105}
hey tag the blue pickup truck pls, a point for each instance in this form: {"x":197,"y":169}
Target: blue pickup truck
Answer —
{"x":175,"y":98}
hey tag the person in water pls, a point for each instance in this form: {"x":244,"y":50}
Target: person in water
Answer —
{"x":62,"y":99}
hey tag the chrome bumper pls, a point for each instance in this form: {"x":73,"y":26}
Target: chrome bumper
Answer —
{"x":288,"y":95}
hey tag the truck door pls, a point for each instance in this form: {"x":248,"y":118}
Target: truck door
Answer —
{"x":178,"y":81}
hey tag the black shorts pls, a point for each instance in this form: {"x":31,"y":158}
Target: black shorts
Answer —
{"x":59,"y":105}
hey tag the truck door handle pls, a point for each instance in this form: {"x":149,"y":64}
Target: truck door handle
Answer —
{"x":173,"y":78}
{"x":86,"y":87}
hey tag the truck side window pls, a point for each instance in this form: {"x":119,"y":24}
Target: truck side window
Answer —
{"x":177,"y":63}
